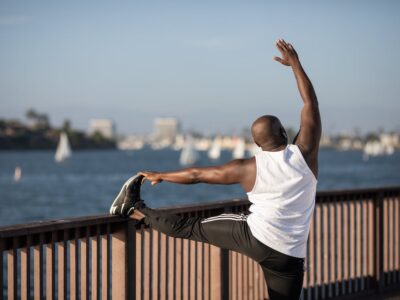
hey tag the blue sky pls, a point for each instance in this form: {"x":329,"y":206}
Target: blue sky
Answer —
{"x":209,"y":63}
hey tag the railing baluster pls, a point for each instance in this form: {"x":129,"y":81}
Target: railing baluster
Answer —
{"x":200,"y":270}
{"x":357,"y":260}
{"x":352,"y":244}
{"x":215,"y":272}
{"x":84,"y":259}
{"x":119,"y":272}
{"x":385,"y":252}
{"x":99,"y":262}
{"x":170,"y":264}
{"x":162,"y":261}
{"x":25,"y":269}
{"x":38,"y":269}
{"x":333,"y":241}
{"x":12,"y":263}
{"x":325,"y":239}
{"x":154,"y":265}
{"x":207,"y":270}
{"x":180,"y":271}
{"x":94,"y":263}
{"x":2,"y":269}
{"x":364,"y":246}
{"x":139,"y":263}
{"x":397,"y":233}
{"x":192,"y":270}
{"x":319,"y":249}
{"x":61,"y":252}
{"x":49,"y":270}
{"x":185,"y":266}
{"x":73,"y":267}
{"x":251,"y":278}
{"x":378,"y":242}
{"x":146,"y":263}
{"x":66,"y":252}
{"x":104,"y":265}
{"x":391,"y":238}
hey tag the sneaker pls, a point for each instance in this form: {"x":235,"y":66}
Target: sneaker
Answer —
{"x":124,"y":203}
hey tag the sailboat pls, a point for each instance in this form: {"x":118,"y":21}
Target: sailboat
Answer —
{"x":215,"y":150}
{"x":63,"y":149}
{"x":189,"y":155}
{"x":376,"y":148}
{"x":239,"y":150}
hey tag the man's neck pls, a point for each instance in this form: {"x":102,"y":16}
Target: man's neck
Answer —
{"x":273,"y":146}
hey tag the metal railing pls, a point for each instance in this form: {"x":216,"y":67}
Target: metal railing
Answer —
{"x":353,"y":249}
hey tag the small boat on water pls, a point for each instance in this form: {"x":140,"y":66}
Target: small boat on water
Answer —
{"x":240,"y":149}
{"x":63,"y":151}
{"x":189,"y":154}
{"x":17,"y":173}
{"x":376,"y":148}
{"x":215,"y":151}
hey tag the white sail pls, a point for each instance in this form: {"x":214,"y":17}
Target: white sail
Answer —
{"x":63,"y":149}
{"x":240,"y":149}
{"x":215,"y":150}
{"x":189,"y":155}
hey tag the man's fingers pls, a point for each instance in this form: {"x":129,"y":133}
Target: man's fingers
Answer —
{"x":283,"y":62}
{"x":280,"y":48}
{"x":283,"y":45}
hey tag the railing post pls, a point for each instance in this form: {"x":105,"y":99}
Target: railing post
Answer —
{"x":378,"y":245}
{"x":131,"y":259}
{"x":119,"y":255}
{"x":224,"y":263}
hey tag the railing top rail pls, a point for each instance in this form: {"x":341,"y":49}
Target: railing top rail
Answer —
{"x":60,"y":224}
{"x":68,"y":223}
{"x":357,"y":191}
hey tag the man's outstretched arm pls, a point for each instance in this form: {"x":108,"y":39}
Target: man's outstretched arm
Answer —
{"x":235,"y":171}
{"x":310,"y":127}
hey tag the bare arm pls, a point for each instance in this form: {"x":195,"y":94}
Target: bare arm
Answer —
{"x":236,"y":171}
{"x":310,"y":126}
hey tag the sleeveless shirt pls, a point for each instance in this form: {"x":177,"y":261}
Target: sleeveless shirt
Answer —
{"x":283,"y":199}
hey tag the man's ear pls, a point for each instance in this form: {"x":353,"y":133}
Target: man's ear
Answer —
{"x":284,"y":134}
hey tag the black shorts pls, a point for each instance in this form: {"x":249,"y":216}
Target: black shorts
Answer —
{"x":283,"y":273}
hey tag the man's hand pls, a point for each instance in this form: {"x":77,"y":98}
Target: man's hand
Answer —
{"x":289,"y":55}
{"x":153,"y":177}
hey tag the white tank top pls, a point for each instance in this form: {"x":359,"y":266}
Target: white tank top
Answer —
{"x":282,"y":200}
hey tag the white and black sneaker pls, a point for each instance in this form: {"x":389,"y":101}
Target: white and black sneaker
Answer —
{"x":128,"y":197}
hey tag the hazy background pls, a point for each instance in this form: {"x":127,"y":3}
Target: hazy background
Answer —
{"x":209,"y":63}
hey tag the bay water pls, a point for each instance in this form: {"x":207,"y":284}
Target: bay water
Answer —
{"x":87,"y":183}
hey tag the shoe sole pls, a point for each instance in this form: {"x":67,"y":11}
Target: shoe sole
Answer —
{"x":121,"y":195}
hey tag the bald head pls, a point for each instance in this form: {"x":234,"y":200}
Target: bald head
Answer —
{"x":268,"y":131}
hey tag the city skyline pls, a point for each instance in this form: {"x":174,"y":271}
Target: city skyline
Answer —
{"x":208,"y":64}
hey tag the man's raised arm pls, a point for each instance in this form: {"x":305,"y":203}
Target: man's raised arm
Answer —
{"x":310,"y":128}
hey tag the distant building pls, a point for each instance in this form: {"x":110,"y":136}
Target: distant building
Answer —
{"x":104,"y":126}
{"x":165,"y":130}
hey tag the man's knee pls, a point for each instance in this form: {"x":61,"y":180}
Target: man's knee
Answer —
{"x":173,"y":225}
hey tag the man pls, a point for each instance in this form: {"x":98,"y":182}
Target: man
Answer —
{"x":280,"y":182}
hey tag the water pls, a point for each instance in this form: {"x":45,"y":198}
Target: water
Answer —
{"x":88,"y":182}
